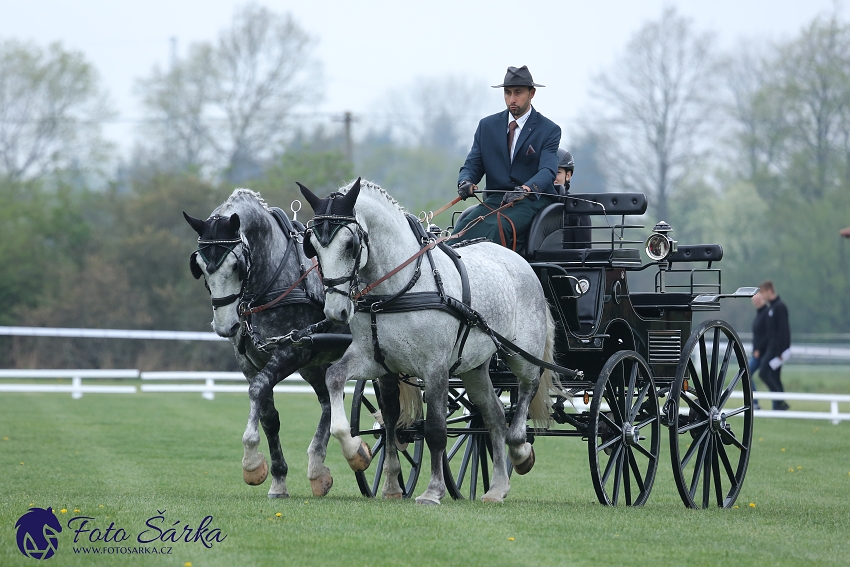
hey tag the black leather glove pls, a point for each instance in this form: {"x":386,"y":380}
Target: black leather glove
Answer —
{"x":465,"y":189}
{"x":514,"y":195}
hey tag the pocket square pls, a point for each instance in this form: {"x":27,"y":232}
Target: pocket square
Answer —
{"x":530,"y":150}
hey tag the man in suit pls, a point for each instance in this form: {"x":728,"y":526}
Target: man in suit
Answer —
{"x":777,"y":342}
{"x":517,"y":150}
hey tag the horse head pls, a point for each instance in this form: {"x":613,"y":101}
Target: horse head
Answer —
{"x":339,"y":241}
{"x":221,"y":260}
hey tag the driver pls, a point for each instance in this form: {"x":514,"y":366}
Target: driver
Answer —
{"x":517,"y":150}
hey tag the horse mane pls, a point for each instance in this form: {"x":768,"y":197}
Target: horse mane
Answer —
{"x":366,"y":184}
{"x":241,"y":191}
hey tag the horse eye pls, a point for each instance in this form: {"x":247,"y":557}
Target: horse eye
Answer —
{"x":349,"y":245}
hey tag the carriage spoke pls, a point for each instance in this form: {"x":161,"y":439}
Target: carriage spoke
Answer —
{"x":612,"y":441}
{"x":724,"y":368}
{"x":731,"y":439}
{"x":410,"y":459}
{"x":706,"y":372}
{"x":635,"y":408}
{"x":636,"y":470}
{"x":630,"y":391}
{"x":697,"y":444}
{"x":379,"y":468}
{"x":706,"y":473}
{"x":473,"y":472}
{"x":617,"y":476}
{"x":703,"y":449}
{"x":728,"y":391}
{"x":715,"y":467}
{"x":646,"y":421}
{"x":697,"y":384}
{"x":610,"y":466}
{"x":627,"y":485}
{"x":736,"y":411}
{"x":643,"y":451}
{"x":370,"y":406}
{"x":727,"y":465}
{"x":693,"y":404}
{"x":693,"y":425}
{"x":714,"y":378}
{"x":604,"y":417}
{"x":611,"y":398}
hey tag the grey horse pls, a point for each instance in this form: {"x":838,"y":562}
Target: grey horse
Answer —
{"x":248,"y":258}
{"x":360,"y":235}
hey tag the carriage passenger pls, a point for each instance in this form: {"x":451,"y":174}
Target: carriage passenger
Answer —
{"x":577,"y":232}
{"x":517,"y":150}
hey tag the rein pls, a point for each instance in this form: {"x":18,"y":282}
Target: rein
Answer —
{"x":274,"y":301}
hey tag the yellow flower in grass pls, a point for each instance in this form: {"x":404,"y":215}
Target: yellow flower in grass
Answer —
{"x":101,"y":506}
{"x":64,"y":510}
{"x":511,"y":539}
{"x":278,"y":515}
{"x":783,"y":449}
{"x":799,"y":468}
{"x":752,"y":504}
{"x":187,"y":564}
{"x":76,"y":510}
{"x":791,"y":469}
{"x":5,"y":439}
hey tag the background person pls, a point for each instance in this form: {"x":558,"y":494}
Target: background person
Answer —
{"x":517,"y":150}
{"x":759,"y":338}
{"x":777,"y":342}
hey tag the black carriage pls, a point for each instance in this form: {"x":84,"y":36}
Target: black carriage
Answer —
{"x":642,"y":365}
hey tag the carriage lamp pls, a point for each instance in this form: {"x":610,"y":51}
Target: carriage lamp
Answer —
{"x":659,"y":245}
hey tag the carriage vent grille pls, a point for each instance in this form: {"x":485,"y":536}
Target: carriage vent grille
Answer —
{"x":665,"y":347}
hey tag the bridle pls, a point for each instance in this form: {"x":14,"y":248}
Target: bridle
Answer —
{"x":242,"y":261}
{"x":325,"y":228}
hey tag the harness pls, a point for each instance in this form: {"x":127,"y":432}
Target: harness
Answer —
{"x":406,"y":301}
{"x":268,"y":298}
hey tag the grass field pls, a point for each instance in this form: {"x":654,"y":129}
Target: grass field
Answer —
{"x":123,"y":459}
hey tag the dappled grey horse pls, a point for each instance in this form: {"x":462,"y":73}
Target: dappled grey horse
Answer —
{"x":412,"y":323}
{"x":250,"y":257}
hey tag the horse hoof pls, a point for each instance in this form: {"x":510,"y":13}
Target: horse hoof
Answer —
{"x":496,"y":499}
{"x":279,"y":495}
{"x":257,"y":476}
{"x":427,"y":502}
{"x":322,"y":485}
{"x":526,"y":465}
{"x":394,"y":496}
{"x":362,"y":460}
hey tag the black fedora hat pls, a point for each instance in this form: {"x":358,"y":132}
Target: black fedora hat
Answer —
{"x":518,"y":77}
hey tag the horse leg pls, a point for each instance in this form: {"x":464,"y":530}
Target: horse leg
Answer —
{"x":319,"y":475}
{"x":521,"y":452}
{"x":255,"y":469}
{"x":355,"y":451}
{"x":437,"y":398}
{"x":479,"y":388}
{"x":390,"y":411}
{"x":270,"y":419}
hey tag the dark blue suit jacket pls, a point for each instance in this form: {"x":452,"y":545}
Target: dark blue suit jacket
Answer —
{"x":535,"y":161}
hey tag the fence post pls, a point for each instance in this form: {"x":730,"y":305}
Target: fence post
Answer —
{"x":833,"y":409}
{"x":76,"y":387}
{"x":209,"y":394}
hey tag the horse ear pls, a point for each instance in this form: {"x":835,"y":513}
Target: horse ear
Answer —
{"x":196,"y":224}
{"x":233,"y":223}
{"x":309,"y":196}
{"x":351,"y":197}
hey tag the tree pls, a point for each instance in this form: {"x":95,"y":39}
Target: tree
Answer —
{"x":660,"y":95}
{"x":51,"y":109}
{"x":226,"y":107}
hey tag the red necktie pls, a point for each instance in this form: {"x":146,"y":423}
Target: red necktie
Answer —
{"x":511,"y":129}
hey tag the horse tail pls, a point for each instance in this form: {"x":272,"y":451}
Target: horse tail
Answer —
{"x":410,"y":401}
{"x":541,"y":405}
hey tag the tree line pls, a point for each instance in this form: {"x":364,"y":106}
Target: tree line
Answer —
{"x":749,"y":148}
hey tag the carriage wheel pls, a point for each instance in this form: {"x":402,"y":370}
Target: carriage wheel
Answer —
{"x":709,"y":448}
{"x":468,"y":462}
{"x":624,"y":438}
{"x":366,"y":422}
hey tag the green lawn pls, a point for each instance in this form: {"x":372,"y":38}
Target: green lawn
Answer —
{"x":122,"y":459}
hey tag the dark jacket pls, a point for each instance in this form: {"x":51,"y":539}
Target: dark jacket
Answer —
{"x":778,"y":329}
{"x":535,"y":162}
{"x":760,"y":330}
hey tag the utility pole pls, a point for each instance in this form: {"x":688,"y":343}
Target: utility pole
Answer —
{"x":347,"y":118}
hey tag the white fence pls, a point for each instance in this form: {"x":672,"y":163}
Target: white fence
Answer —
{"x":208,"y":384}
